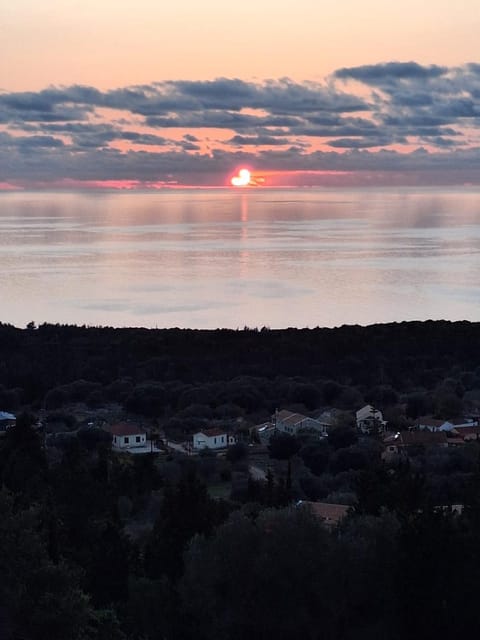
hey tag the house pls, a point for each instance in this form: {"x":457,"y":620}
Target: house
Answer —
{"x":212,"y":439}
{"x":467,"y":433}
{"x":426,"y":423}
{"x":430,"y":424}
{"x":368,"y":418}
{"x":288,"y":422}
{"x":403,"y":443}
{"x":263,"y":432}
{"x":7,"y":420}
{"x":126,"y":435}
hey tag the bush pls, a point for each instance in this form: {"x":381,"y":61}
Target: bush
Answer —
{"x":283,"y":446}
{"x":237,"y":452}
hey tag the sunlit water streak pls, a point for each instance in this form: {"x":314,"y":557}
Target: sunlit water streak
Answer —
{"x":240,"y":257}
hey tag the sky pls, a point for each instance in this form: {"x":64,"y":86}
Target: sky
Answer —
{"x":150,"y":94}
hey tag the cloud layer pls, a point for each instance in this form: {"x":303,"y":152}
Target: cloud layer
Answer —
{"x":391,"y":122}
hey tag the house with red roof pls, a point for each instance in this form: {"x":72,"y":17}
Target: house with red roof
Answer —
{"x":469,"y":432}
{"x":126,"y":435}
{"x":212,"y":439}
{"x":404,"y":443}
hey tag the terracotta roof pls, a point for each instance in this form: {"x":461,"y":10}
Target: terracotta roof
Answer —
{"x":211,"y":433}
{"x":124,"y":429}
{"x":330,"y":513}
{"x":422,"y":437}
{"x":287,"y":417}
{"x":467,"y":431}
{"x":284,"y":414}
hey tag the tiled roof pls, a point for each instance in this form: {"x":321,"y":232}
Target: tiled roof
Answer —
{"x":287,"y":417}
{"x":422,"y":437}
{"x":467,"y":431}
{"x":330,"y":513}
{"x":284,"y":414}
{"x":211,"y":433}
{"x":124,"y":429}
{"x":459,"y":440}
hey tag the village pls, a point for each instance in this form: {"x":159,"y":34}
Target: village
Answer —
{"x":279,"y":449}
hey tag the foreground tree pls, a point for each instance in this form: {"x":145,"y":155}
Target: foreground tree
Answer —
{"x":187,"y":509}
{"x":38,"y":599}
{"x":258,"y":579}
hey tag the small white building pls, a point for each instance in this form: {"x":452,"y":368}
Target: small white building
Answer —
{"x":126,"y":435}
{"x":263,"y":431}
{"x":292,"y":423}
{"x":7,"y":420}
{"x":368,"y":417}
{"x":212,"y":439}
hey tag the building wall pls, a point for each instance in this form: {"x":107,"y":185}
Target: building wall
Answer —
{"x":202,"y":441}
{"x":127,"y":442}
{"x":307,"y":423}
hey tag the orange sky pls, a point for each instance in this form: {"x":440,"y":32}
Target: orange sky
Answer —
{"x":122,"y":42}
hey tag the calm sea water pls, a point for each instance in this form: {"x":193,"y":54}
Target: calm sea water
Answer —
{"x":226,"y":258}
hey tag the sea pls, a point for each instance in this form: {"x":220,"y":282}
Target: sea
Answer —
{"x":254,"y":257}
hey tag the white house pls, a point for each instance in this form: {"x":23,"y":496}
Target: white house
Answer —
{"x":292,"y":423}
{"x":369,"y":417}
{"x":430,"y":424}
{"x":7,"y":420}
{"x":264,"y":431}
{"x":212,"y":439}
{"x":126,"y":435}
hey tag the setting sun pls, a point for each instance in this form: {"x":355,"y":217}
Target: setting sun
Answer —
{"x":243,"y":178}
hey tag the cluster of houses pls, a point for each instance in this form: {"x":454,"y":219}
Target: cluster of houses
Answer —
{"x":368,"y":419}
{"x":427,"y":431}
{"x":131,"y":437}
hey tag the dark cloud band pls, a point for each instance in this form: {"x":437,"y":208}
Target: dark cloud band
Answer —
{"x":151,"y":132}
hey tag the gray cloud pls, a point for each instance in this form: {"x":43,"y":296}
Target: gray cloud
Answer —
{"x":258,"y":141}
{"x":390,"y":72}
{"x":60,"y":133}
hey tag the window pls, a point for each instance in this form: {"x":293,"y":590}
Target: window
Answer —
{"x":126,"y":440}
{"x":137,"y":439}
{"x":214,"y":441}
